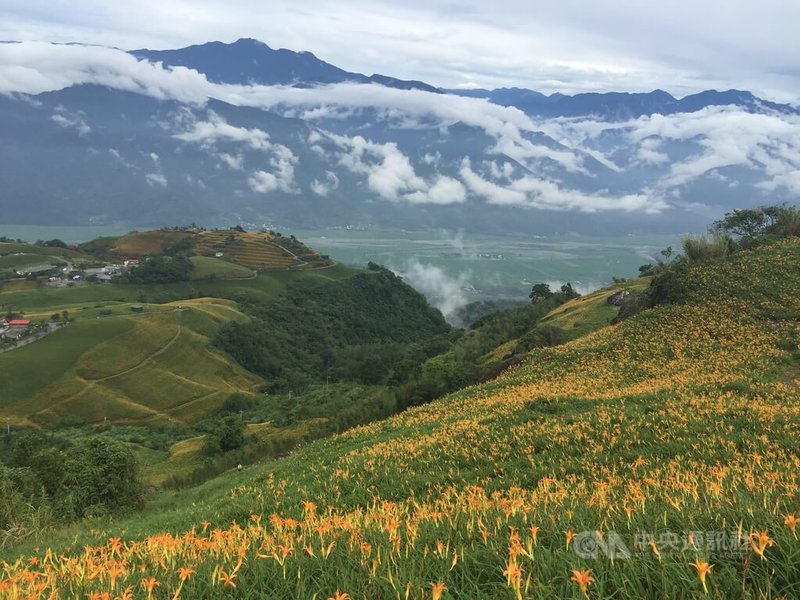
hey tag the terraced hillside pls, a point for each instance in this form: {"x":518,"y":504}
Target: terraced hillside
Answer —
{"x":653,"y":459}
{"x":117,"y":366}
{"x":259,"y":251}
{"x":251,"y":250}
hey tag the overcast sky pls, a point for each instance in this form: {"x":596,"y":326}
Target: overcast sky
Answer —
{"x":682,"y":46}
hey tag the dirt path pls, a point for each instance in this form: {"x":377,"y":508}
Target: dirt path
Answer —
{"x":178,"y":317}
{"x":90,"y":383}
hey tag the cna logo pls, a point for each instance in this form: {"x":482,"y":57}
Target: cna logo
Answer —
{"x":594,"y":544}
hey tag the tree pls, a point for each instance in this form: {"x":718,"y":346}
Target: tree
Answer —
{"x":539,"y":292}
{"x":568,"y":292}
{"x":229,"y":435}
{"x":101,"y":475}
{"x":747,"y":222}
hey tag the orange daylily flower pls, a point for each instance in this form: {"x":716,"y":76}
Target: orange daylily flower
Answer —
{"x":438,"y":589}
{"x":791,"y":522}
{"x":583,"y":579}
{"x":227,"y":579}
{"x":760,"y":541}
{"x":703,"y":569}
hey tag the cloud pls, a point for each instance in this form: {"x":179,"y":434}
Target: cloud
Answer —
{"x":560,"y":46}
{"x":728,"y":137}
{"x":323,"y":188}
{"x":234,"y":162}
{"x":36,"y":67}
{"x":444,"y":292}
{"x":715,"y":137}
{"x":723,"y":136}
{"x":532,"y":192}
{"x":75,"y":123}
{"x":215,"y":129}
{"x":391,"y":175}
{"x":648,"y":152}
{"x":154,"y":179}
{"x":445,"y":190}
{"x":281,"y":176}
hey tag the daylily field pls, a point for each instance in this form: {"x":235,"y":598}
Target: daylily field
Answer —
{"x":658,"y":458}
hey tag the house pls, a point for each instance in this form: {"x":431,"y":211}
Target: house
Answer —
{"x":137,"y":308}
{"x":15,"y":329}
{"x":219,"y":254}
{"x":133,"y":262}
{"x":13,"y":333}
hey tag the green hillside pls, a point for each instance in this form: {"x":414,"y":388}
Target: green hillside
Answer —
{"x":155,"y":366}
{"x":652,"y":459}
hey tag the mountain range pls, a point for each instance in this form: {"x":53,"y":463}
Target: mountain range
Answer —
{"x":243,"y":133}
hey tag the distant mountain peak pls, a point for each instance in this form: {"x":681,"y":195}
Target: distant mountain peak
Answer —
{"x":248,"y":60}
{"x":618,"y":106}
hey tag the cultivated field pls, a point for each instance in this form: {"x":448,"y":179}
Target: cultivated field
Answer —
{"x":252,"y":250}
{"x":124,"y":367}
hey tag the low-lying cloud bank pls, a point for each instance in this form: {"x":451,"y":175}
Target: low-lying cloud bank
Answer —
{"x":443,"y":291}
{"x":726,"y":136}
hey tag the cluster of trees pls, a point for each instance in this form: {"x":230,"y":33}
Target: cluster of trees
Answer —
{"x":47,"y":479}
{"x":375,"y":330}
{"x":358,"y":329}
{"x":162,"y":269}
{"x":54,"y":243}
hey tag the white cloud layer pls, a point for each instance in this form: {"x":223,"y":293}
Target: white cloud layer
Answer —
{"x":727,"y":137}
{"x":565,"y":46}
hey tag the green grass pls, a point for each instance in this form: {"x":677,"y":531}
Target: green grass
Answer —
{"x":14,"y":248}
{"x":591,"y":311}
{"x":128,"y":367}
{"x":40,"y":364}
{"x":207,"y":266}
{"x":15,"y":261}
{"x":264,"y":287}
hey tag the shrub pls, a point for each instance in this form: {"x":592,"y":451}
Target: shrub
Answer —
{"x":702,"y":248}
{"x":229,"y":435}
{"x":669,"y":286}
{"x":101,"y":475}
{"x":787,"y":223}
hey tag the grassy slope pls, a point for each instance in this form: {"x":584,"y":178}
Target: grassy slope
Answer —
{"x":156,"y":366}
{"x":14,"y":248}
{"x":575,"y":318}
{"x":264,"y":287}
{"x":591,"y":311}
{"x":681,"y":419}
{"x":208,"y":266}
